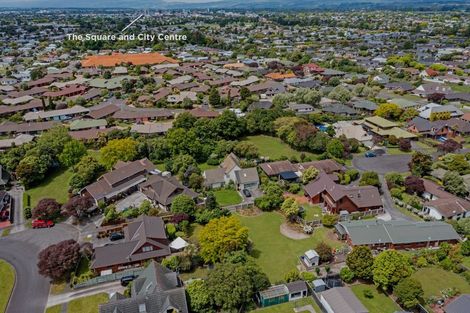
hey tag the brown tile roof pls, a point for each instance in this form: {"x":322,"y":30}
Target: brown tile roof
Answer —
{"x":201,"y":112}
{"x":67,"y":91}
{"x":103,"y":111}
{"x":87,"y":134}
{"x":139,"y":113}
{"x":278,"y":167}
{"x":34,"y":104}
{"x":164,"y":189}
{"x":327,"y":166}
{"x":119,"y":58}
{"x":146,"y":230}
{"x":26,"y":127}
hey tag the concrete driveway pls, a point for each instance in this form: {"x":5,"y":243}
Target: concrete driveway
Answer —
{"x":21,"y":251}
{"x":383,"y":164}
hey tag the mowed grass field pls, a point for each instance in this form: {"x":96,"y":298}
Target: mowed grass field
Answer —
{"x":226,"y":197}
{"x":434,"y":279}
{"x":379,"y":303}
{"x":288,"y":307}
{"x":87,"y":304}
{"x":55,"y":186}
{"x":7,"y":281}
{"x":275,"y":253}
{"x":274,"y":148}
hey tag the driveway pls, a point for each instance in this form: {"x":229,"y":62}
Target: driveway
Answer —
{"x":383,"y":164}
{"x":388,"y":203}
{"x":109,"y":288}
{"x":18,"y":220}
{"x":21,"y":251}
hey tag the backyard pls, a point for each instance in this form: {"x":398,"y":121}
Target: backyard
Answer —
{"x":274,"y":148}
{"x":435,"y":279}
{"x":54,"y":186}
{"x":227,"y":197}
{"x":288,"y":307}
{"x":87,"y":304}
{"x":275,"y":253}
{"x":7,"y":281}
{"x":378,"y":303}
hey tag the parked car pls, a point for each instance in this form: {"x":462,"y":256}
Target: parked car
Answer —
{"x":246,"y":192}
{"x":4,"y":215}
{"x":42,"y":224}
{"x":125,"y":280}
{"x":370,"y":154}
{"x":116,"y":236}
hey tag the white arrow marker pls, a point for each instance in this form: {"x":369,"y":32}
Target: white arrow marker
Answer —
{"x":130,"y":24}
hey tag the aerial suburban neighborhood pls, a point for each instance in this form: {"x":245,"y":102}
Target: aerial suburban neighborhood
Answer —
{"x":264,"y":157}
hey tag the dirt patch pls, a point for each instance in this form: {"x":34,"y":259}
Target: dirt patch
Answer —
{"x":300,"y":199}
{"x":289,"y":231}
{"x":253,"y":211}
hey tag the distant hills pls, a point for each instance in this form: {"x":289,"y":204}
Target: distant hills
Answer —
{"x":240,"y":4}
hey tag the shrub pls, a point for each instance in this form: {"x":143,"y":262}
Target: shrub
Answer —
{"x":308,"y":276}
{"x":329,"y":220}
{"x":27,"y":213}
{"x":346,"y":274}
{"x":171,"y":230}
{"x":368,"y":293}
{"x":396,"y":193}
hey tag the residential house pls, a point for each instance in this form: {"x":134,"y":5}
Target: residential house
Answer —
{"x":382,"y":127}
{"x":141,"y":114}
{"x":434,"y":111}
{"x":352,"y":129}
{"x":56,"y":115}
{"x":230,"y":170}
{"x":300,"y":108}
{"x":281,"y":170}
{"x":144,"y":239}
{"x":341,"y":300}
{"x":336,"y":197}
{"x":441,"y":205}
{"x":123,"y":179}
{"x":451,"y":128}
{"x":458,"y":305}
{"x":155,"y":290}
{"x":364,"y":106}
{"x":396,"y":234}
{"x":162,"y":190}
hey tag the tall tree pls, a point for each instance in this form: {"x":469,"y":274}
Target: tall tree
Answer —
{"x":57,"y":261}
{"x":390,"y":267}
{"x":408,"y":292}
{"x":118,"y":150}
{"x":361,"y":262}
{"x":420,"y":164}
{"x":46,"y":209}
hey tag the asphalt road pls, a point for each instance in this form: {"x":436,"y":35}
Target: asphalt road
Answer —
{"x":21,"y":250}
{"x":383,"y":164}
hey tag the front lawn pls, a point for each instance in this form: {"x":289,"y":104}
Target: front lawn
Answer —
{"x":288,"y":307}
{"x":54,"y":309}
{"x":7,"y":281}
{"x":312,"y":212}
{"x":227,"y":197}
{"x":54,"y":186}
{"x":379,"y":303}
{"x":274,"y":148}
{"x":434,"y":279}
{"x":197,"y":273}
{"x":87,"y":304}
{"x":275,"y":253}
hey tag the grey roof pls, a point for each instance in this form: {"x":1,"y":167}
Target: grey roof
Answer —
{"x":164,"y":189}
{"x":343,"y":300}
{"x":157,"y":290}
{"x":214,"y":176}
{"x":296,"y":286}
{"x":397,"y":232}
{"x":459,"y":305}
{"x":247,"y":175}
{"x":338,"y":108}
{"x":364,"y":105}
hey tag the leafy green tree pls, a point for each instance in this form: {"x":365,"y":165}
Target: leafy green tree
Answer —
{"x":335,"y":148}
{"x":220,"y":236}
{"x":85,"y":172}
{"x":73,"y":151}
{"x":389,"y":111}
{"x":184,"y":120}
{"x":183,"y":204}
{"x":329,"y":220}
{"x":390,"y":267}
{"x":32,"y":169}
{"x":465,"y":248}
{"x":394,"y":180}
{"x":346,"y":274}
{"x":290,"y":208}
{"x":408,"y":292}
{"x":214,"y":97}
{"x":291,"y":276}
{"x":229,"y":126}
{"x":118,"y":150}
{"x":455,"y":184}
{"x":369,"y":179}
{"x":361,"y":262}
{"x":272,"y":197}
{"x":246,"y":149}
{"x":325,"y":252}
{"x":340,"y":93}
{"x":420,"y":164}
{"x":199,"y":298}
{"x":309,"y":174}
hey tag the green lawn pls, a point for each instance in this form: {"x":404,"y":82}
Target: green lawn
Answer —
{"x":274,"y":148}
{"x":379,"y":303}
{"x":312,"y":212}
{"x":435,"y":279}
{"x":198,"y":272}
{"x":54,"y":186}
{"x":7,"y":281}
{"x":54,"y":309}
{"x":459,"y":88}
{"x":466,"y":262}
{"x":205,"y":166}
{"x":87,"y":304}
{"x":288,"y":307}
{"x":227,"y":197}
{"x":275,"y":253}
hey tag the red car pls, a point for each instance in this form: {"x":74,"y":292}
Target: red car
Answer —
{"x":4,"y":215}
{"x":42,"y":224}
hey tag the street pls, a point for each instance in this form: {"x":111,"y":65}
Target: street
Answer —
{"x":21,"y":250}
